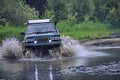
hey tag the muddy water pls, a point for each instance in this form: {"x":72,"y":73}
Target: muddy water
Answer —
{"x":99,"y":64}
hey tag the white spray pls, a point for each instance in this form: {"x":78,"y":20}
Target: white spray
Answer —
{"x":11,"y":47}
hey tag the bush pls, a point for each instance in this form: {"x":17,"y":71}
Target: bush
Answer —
{"x":84,"y":30}
{"x":16,"y":12}
{"x":11,"y":31}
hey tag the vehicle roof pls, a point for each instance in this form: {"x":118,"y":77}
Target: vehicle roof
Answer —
{"x":38,"y":21}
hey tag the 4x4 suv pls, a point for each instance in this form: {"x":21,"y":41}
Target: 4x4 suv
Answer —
{"x":41,"y":33}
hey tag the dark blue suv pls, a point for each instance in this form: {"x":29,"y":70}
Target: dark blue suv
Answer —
{"x":41,"y":33}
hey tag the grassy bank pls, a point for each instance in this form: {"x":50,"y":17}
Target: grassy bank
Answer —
{"x":10,"y":31}
{"x":84,"y":30}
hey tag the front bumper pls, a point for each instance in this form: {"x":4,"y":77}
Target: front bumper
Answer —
{"x":48,"y":45}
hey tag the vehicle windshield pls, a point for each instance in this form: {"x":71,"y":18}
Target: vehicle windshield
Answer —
{"x":40,"y":28}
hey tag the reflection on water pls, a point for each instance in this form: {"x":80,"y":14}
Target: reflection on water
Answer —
{"x":49,"y":69}
{"x":36,"y":72}
{"x":11,"y":70}
{"x":50,"y":72}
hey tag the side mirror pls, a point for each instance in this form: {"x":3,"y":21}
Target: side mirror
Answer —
{"x":55,"y":23}
{"x":22,"y":33}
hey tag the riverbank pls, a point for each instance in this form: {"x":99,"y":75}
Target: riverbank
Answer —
{"x":9,"y":31}
{"x":108,"y":41}
{"x":89,"y":32}
{"x":85,"y":30}
{"x":78,"y":31}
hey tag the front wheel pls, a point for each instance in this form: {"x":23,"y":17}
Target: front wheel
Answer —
{"x":41,"y":52}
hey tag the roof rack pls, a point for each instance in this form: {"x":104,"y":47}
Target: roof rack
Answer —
{"x":38,"y":21}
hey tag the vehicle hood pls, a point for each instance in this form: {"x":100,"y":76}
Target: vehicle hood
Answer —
{"x":41,"y":35}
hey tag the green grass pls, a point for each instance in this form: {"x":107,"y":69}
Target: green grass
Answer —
{"x":84,"y":30}
{"x":11,"y":31}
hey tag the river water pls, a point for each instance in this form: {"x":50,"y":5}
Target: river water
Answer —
{"x":83,"y":63}
{"x":93,"y":62}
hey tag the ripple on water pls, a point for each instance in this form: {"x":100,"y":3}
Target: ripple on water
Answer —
{"x":110,"y":69}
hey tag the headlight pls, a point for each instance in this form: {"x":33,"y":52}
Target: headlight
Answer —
{"x":50,"y":40}
{"x":29,"y":40}
{"x":35,"y":42}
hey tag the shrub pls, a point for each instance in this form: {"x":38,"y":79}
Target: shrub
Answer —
{"x":84,"y":30}
{"x":16,"y":12}
{"x":11,"y":31}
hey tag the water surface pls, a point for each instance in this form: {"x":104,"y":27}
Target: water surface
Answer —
{"x":50,"y":69}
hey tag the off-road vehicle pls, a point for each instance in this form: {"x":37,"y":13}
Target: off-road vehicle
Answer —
{"x":41,"y":34}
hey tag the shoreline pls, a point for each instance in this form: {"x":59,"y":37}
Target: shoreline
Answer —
{"x":102,"y":42}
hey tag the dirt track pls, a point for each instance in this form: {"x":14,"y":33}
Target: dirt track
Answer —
{"x":103,"y":42}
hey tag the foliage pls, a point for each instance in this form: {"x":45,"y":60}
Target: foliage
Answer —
{"x":80,"y":19}
{"x":39,"y":5}
{"x":16,"y":12}
{"x":11,"y":31}
{"x":55,"y":10}
{"x":107,"y":11}
{"x":84,"y":30}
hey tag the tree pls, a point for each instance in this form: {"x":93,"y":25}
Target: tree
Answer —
{"x":56,"y":9}
{"x":107,"y":11}
{"x":16,"y":12}
{"x":79,"y":10}
{"x":83,"y":8}
{"x":39,"y":5}
{"x":113,"y":16}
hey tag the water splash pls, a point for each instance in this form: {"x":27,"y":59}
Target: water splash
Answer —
{"x":10,"y":48}
{"x":74,"y":48}
{"x":67,"y":49}
{"x":70,"y":47}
